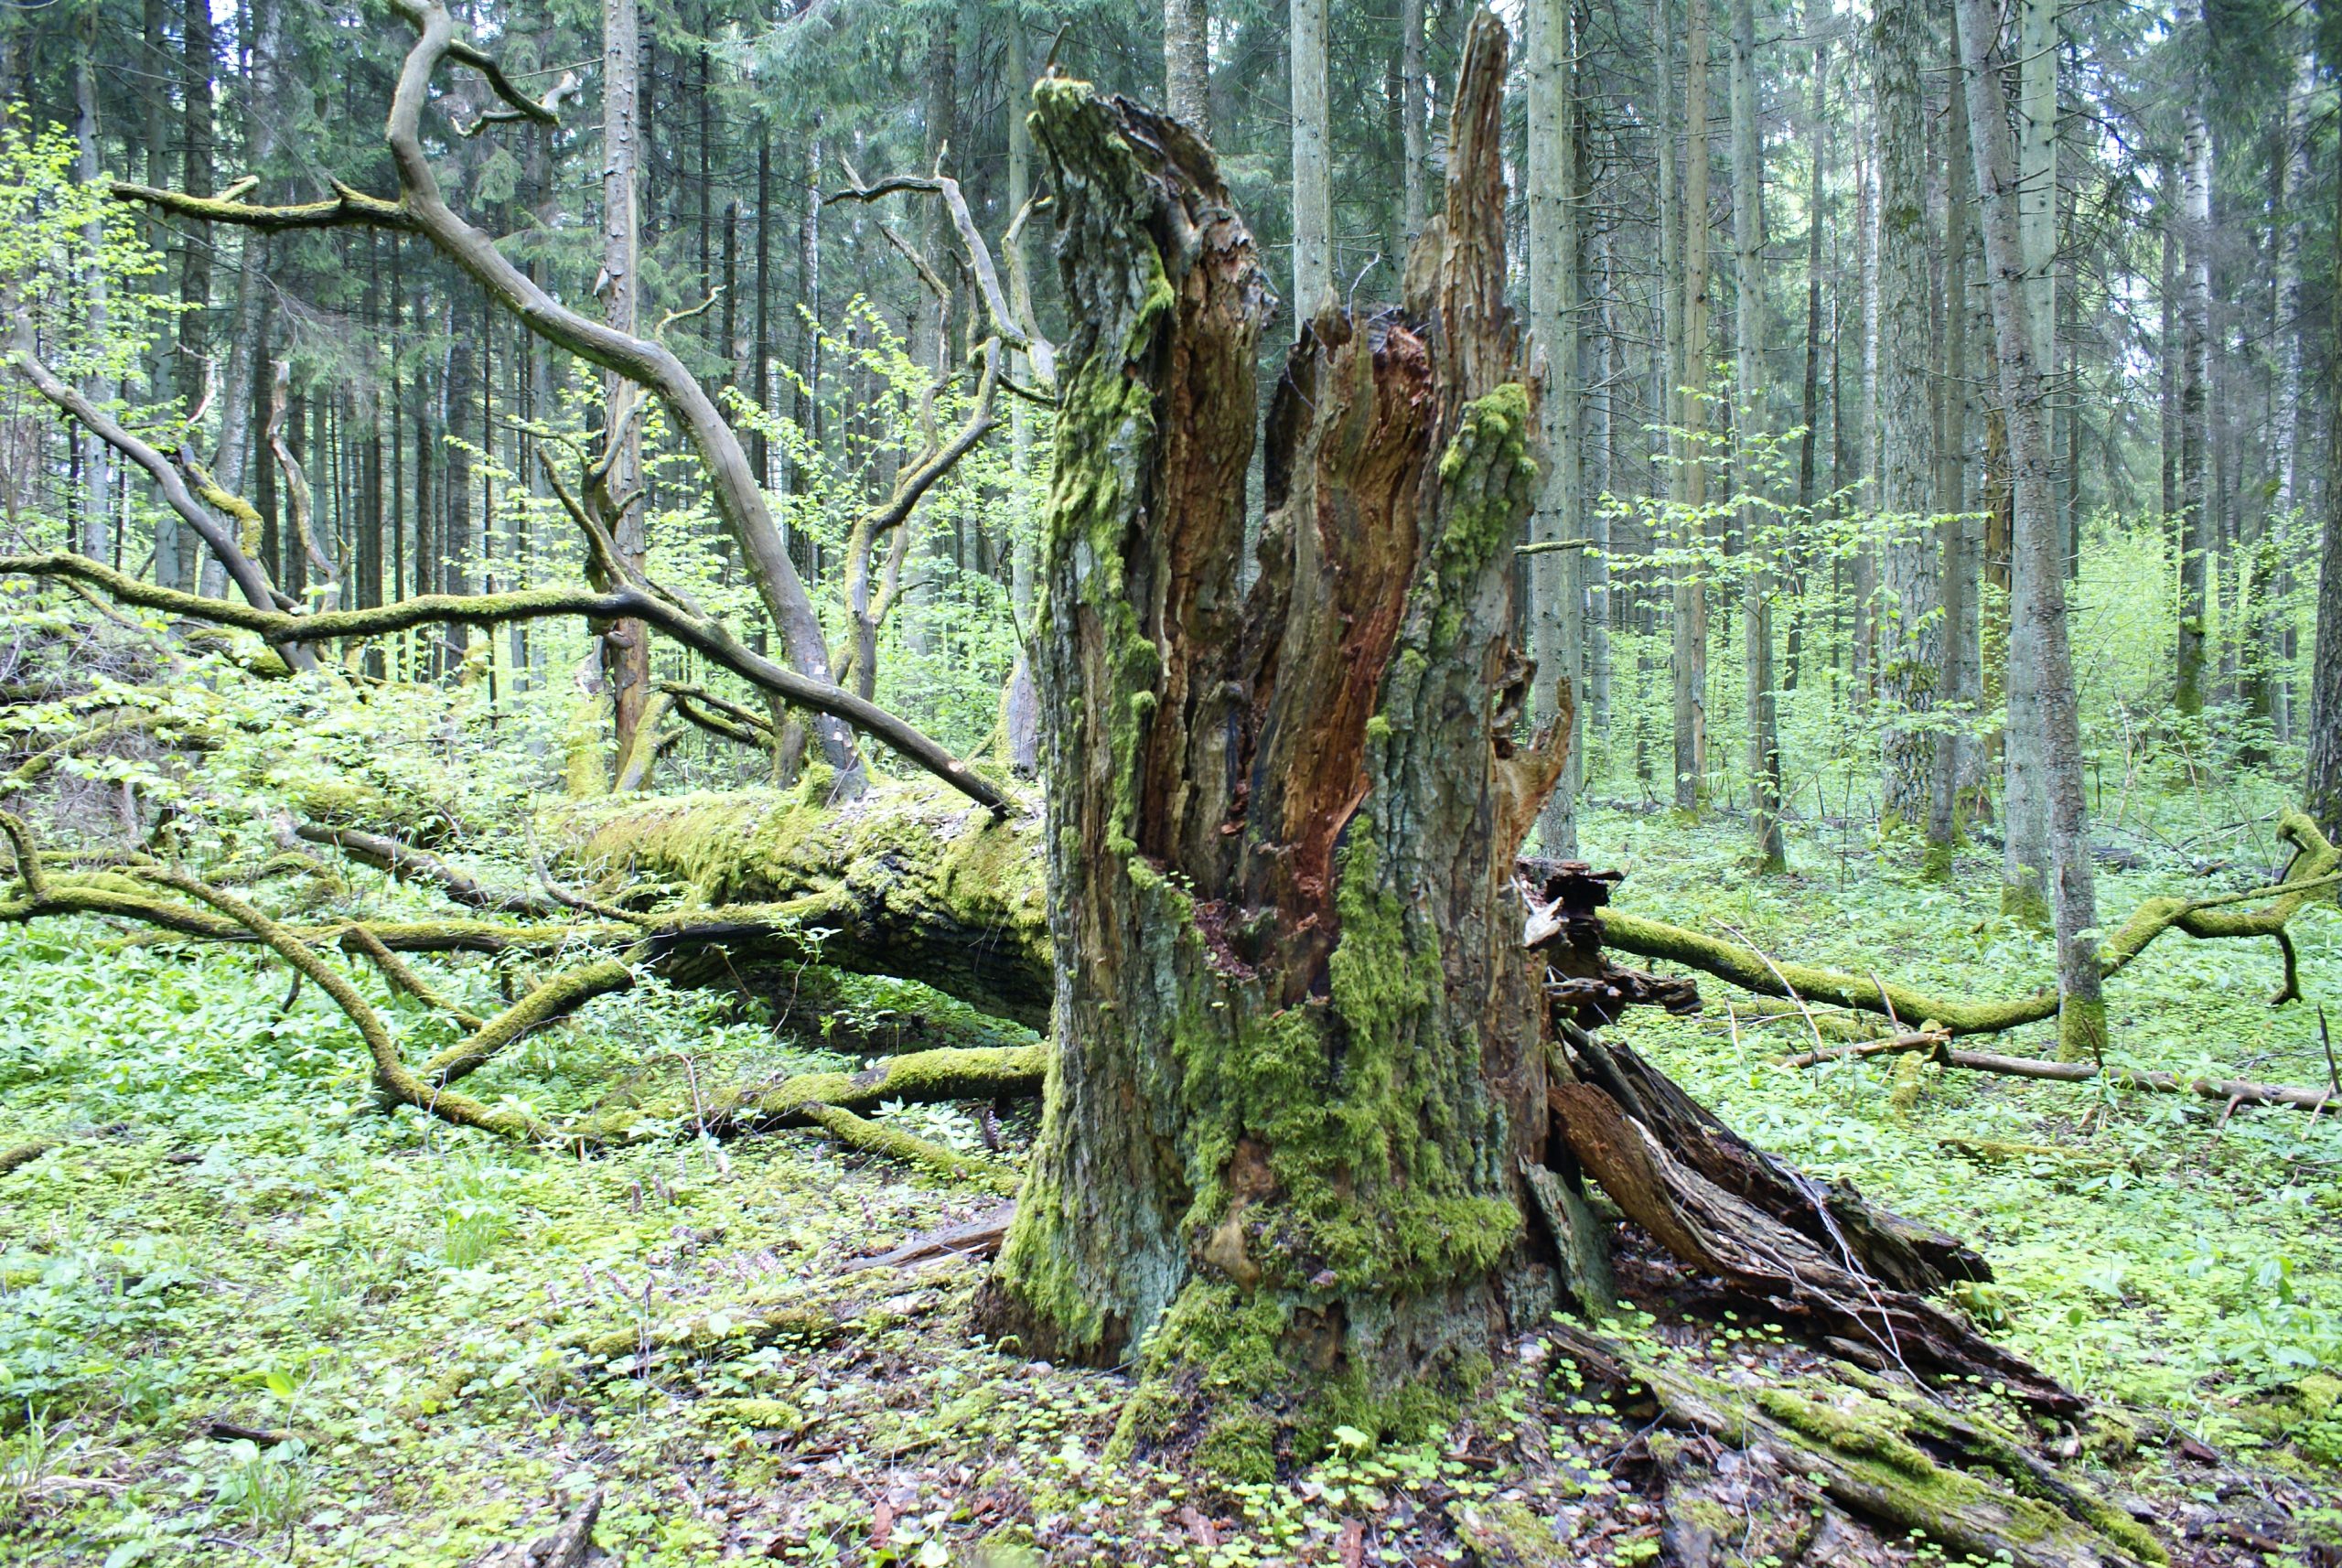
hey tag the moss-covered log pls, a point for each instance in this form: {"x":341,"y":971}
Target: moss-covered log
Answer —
{"x":1880,"y":1450}
{"x":912,"y":880}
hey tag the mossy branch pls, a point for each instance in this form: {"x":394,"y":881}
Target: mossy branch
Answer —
{"x":393,"y":1077}
{"x":706,"y":637}
{"x":555,"y":999}
{"x":26,"y":1153}
{"x":876,"y":1138}
{"x":2314,"y":871}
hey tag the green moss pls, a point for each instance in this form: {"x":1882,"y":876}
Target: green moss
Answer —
{"x":1355,"y":1104}
{"x":1868,"y":1429}
{"x":1487,"y":478}
{"x":1222,"y":1368}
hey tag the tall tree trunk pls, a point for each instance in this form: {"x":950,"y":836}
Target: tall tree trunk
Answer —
{"x":1186,"y":65}
{"x":1910,"y":634}
{"x":1021,"y":702}
{"x":1691,"y":628}
{"x":626,"y":644}
{"x":2292,"y":400}
{"x":1748,"y":424}
{"x":1313,"y":190}
{"x":2325,"y":781}
{"x":1817,"y":136}
{"x":2039,"y":657}
{"x":1297,"y":1059}
{"x":198,"y":61}
{"x":1556,"y":598}
{"x":760,"y":355}
{"x":1414,"y":130}
{"x":97,"y":495}
{"x":1963,"y":678}
{"x":2167,"y":351}
{"x":2195,"y":530}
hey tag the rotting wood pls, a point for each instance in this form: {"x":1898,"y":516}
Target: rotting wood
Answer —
{"x":1906,"y":1463}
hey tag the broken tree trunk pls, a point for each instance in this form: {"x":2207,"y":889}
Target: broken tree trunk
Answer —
{"x":1298,"y":1050}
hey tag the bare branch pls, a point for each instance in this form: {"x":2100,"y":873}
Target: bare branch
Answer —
{"x":248,"y":575}
{"x":1011,"y":327}
{"x":346,"y":209}
{"x":707,"y":638}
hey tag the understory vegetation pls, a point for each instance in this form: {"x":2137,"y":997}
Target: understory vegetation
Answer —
{"x":423,"y":1339}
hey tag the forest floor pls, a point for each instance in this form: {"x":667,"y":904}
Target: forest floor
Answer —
{"x":458,"y":1339}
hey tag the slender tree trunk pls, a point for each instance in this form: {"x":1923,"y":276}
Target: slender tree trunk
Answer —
{"x":625,"y":645}
{"x":1236,"y":1183}
{"x":1748,"y":424}
{"x":1910,"y":636}
{"x":2196,"y":524}
{"x":1817,"y":121}
{"x":1557,"y":601}
{"x":1186,"y":65}
{"x":97,"y":497}
{"x":1691,"y":629}
{"x":760,"y":446}
{"x":1313,"y":191}
{"x":1020,"y":703}
{"x":198,"y":62}
{"x":1864,"y":655}
{"x":2168,"y":353}
{"x":2039,"y":657}
{"x":1963,"y":677}
{"x":1414,"y":131}
{"x":1610,"y":358}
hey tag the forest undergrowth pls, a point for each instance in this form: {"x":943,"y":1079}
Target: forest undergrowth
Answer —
{"x":245,"y":1314}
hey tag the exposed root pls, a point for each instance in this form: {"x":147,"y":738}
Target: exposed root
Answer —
{"x":1880,"y":1450}
{"x":1755,"y":1253}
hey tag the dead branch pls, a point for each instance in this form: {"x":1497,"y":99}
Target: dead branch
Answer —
{"x":406,"y":862}
{"x":2314,"y":870}
{"x":1935,"y":1047}
{"x":709,"y":637}
{"x":249,"y":577}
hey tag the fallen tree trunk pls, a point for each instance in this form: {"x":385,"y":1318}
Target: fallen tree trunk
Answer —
{"x":912,"y":880}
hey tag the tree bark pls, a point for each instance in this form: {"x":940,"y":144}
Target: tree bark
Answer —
{"x":2039,"y":658}
{"x":2196,"y":525}
{"x":2325,"y":781}
{"x":1910,"y":638}
{"x":1748,"y":311}
{"x":1415,"y":129}
{"x":1962,"y":679}
{"x":1313,"y":192}
{"x":626,"y":644}
{"x":1556,"y":599}
{"x":198,"y":61}
{"x":1691,"y":595}
{"x":1297,"y":1053}
{"x":1186,"y":66}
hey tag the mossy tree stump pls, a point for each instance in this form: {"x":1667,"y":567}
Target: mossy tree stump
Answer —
{"x":1300,"y":1053}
